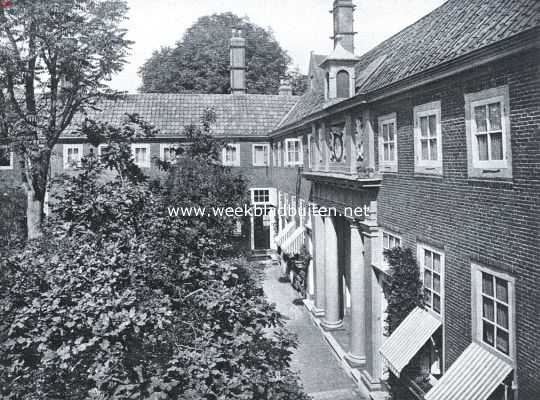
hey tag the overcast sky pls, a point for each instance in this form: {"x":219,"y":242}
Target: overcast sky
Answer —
{"x":299,"y":25}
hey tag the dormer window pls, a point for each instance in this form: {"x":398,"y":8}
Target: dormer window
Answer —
{"x":340,"y":73}
{"x":343,"y":84}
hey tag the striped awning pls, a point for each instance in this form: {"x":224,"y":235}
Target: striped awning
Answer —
{"x":474,"y":376}
{"x":408,"y":338}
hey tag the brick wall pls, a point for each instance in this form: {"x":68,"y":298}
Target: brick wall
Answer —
{"x":495,"y":223}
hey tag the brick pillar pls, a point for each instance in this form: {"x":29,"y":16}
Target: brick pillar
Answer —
{"x":357,"y":353}
{"x":332,"y":316}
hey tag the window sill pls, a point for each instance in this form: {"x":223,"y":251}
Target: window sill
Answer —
{"x":388,"y":169}
{"x":495,"y":183}
{"x":429,"y":177}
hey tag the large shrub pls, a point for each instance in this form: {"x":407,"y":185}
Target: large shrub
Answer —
{"x":120,"y":301}
{"x":12,"y":217}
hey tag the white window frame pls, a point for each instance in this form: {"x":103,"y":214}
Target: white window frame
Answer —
{"x":233,"y":163}
{"x":384,"y":261}
{"x":477,"y":315}
{"x":388,"y":165}
{"x":100,"y":150}
{"x":146,"y":146}
{"x":421,"y":261}
{"x":488,"y":168}
{"x":253,"y":200}
{"x":163,"y":146}
{"x":65,"y":150}
{"x":274,"y":154}
{"x":10,"y":166}
{"x":427,"y":166}
{"x":288,"y":161}
{"x":266,"y":146}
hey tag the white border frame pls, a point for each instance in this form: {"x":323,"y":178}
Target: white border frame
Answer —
{"x":265,"y":145}
{"x":388,"y":166}
{"x":235,"y":163}
{"x":476,"y":311}
{"x":494,"y":168}
{"x":441,"y":316}
{"x":163,"y":146}
{"x":385,"y":267}
{"x":420,"y":257}
{"x":147,"y":147}
{"x":300,"y":150}
{"x":252,"y":196}
{"x":427,"y":166}
{"x":10,"y":166}
{"x":65,"y":148}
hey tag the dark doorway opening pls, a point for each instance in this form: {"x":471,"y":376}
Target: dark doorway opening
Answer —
{"x":262,"y":231}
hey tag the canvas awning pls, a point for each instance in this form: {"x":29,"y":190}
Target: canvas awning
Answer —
{"x":474,"y":376}
{"x":408,"y":338}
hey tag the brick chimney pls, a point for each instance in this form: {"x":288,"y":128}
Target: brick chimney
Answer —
{"x":285,"y":87}
{"x":238,"y":62}
{"x":344,"y":24}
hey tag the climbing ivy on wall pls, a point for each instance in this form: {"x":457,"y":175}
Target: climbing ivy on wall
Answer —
{"x":403,"y":291}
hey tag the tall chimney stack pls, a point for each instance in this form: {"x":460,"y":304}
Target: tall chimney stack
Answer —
{"x":238,"y":62}
{"x":344,"y":24}
{"x":285,"y":87}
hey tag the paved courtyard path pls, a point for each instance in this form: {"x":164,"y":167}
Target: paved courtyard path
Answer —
{"x":322,"y":376}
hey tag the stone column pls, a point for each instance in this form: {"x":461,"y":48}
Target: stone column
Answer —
{"x":372,"y":252}
{"x":332,"y":316}
{"x":357,"y":353}
{"x":319,"y":260}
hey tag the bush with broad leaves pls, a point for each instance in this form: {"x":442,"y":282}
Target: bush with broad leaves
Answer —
{"x":120,"y":301}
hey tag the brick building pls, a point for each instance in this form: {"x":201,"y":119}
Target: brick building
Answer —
{"x":437,"y":132}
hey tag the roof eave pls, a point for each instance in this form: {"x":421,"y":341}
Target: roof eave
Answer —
{"x":523,"y":41}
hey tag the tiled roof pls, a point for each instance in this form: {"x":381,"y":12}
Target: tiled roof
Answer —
{"x":313,"y":100}
{"x":237,"y":115}
{"x":456,"y":28}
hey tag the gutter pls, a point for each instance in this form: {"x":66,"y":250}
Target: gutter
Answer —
{"x":526,"y":40}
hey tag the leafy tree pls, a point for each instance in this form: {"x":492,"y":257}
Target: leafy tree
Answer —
{"x":116,"y":301}
{"x":55,"y":57}
{"x":404,"y":292}
{"x":199,"y":63}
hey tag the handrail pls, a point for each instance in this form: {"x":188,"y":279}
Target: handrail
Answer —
{"x":293,"y":245}
{"x":285,"y":233}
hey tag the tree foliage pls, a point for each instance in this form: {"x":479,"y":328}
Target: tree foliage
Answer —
{"x":120,"y":301}
{"x":199,"y":63}
{"x":55,"y":58}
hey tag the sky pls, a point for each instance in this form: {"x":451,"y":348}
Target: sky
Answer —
{"x":300,"y":26}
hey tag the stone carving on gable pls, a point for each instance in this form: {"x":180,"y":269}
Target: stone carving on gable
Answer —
{"x":359,"y":130}
{"x":335,"y":143}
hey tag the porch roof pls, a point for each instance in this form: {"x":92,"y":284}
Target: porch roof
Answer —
{"x":473,"y":376}
{"x":407,"y":340}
